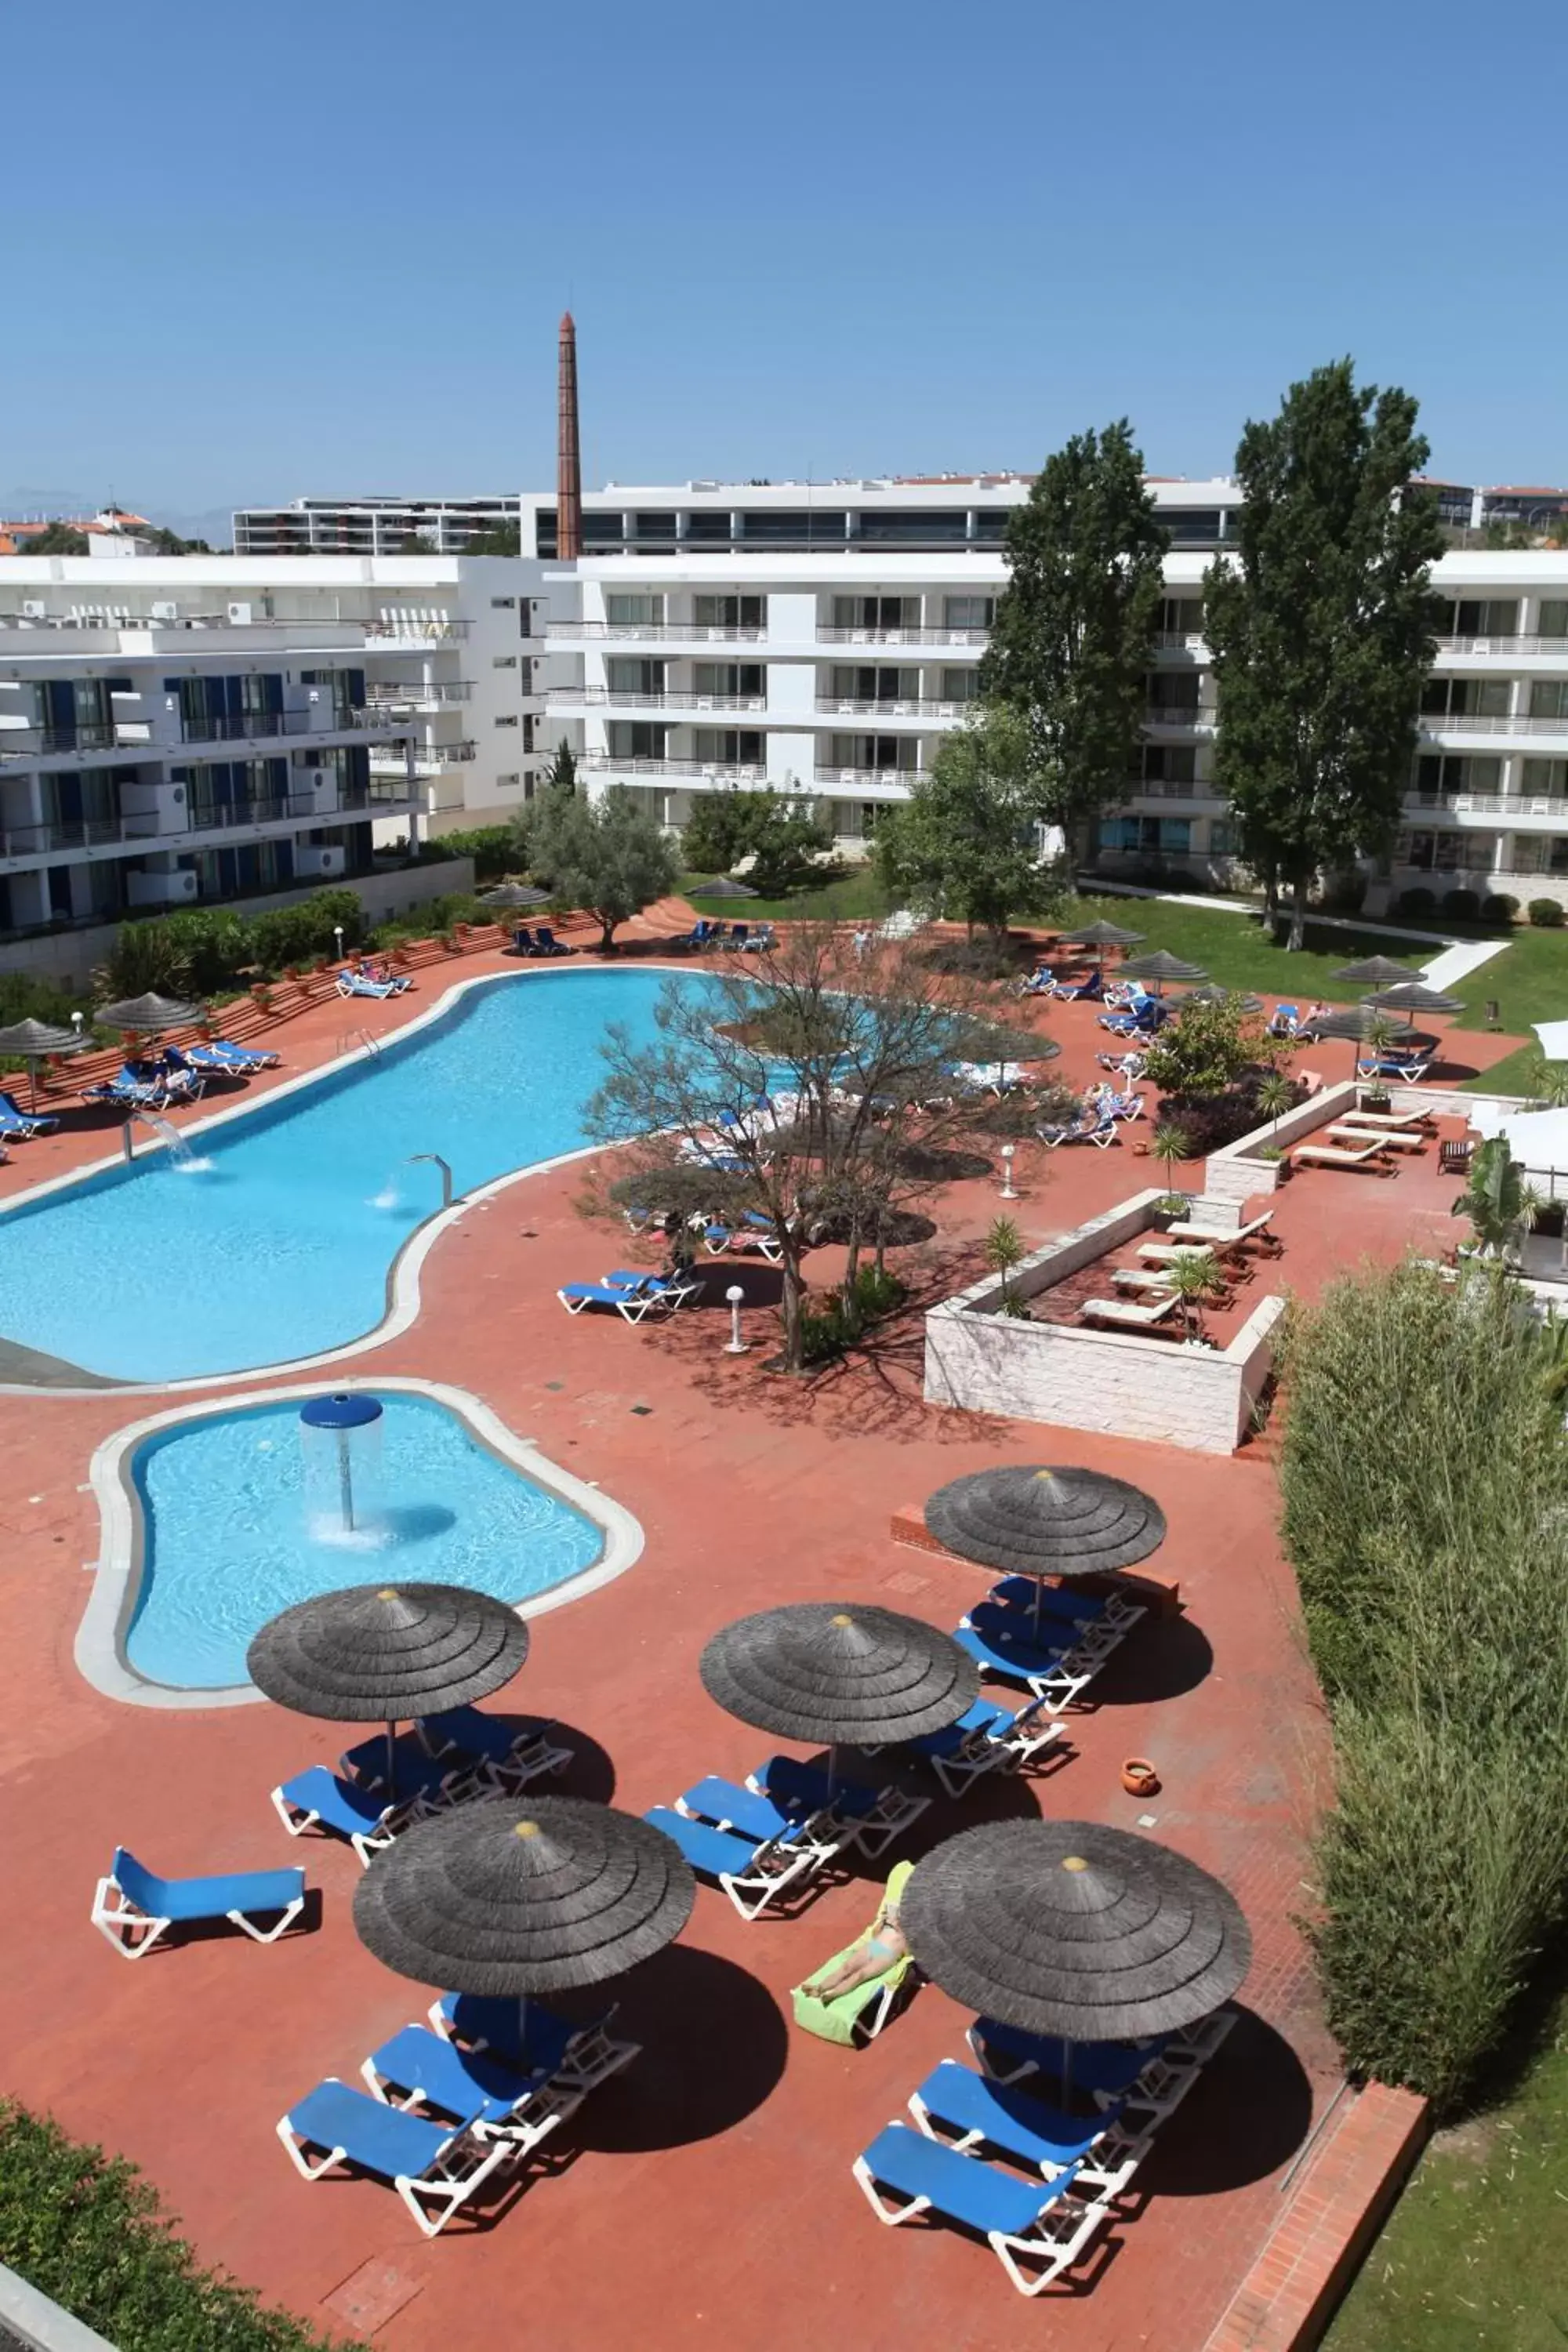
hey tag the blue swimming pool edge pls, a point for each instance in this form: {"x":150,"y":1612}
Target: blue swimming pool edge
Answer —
{"x":101,"y":1634}
{"x":403,"y":1295}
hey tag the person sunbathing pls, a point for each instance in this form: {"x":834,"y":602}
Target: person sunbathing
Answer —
{"x":872,"y":1955}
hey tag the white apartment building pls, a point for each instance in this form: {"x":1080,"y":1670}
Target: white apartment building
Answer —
{"x":180,"y":728}
{"x":821,"y":638}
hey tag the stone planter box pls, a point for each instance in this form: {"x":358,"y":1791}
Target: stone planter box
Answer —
{"x":1122,"y":1384}
{"x":1237,"y":1173}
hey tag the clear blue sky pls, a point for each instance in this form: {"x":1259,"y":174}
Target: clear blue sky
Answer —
{"x":323,"y":247}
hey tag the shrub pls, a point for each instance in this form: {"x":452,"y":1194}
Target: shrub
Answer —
{"x":23,"y":998}
{"x":981,"y":958}
{"x":295,"y":934}
{"x":1461,"y":906}
{"x":87,"y":2230}
{"x":492,"y":847}
{"x":1418,"y":904}
{"x":145,"y":955}
{"x":1425,"y":1484}
{"x":1500,"y":907}
{"x":1546,"y":914}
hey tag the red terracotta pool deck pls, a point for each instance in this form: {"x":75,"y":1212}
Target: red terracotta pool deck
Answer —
{"x":708,"y":2198}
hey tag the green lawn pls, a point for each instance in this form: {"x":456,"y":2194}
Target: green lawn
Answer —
{"x":1475,"y":2253}
{"x":859,"y":894}
{"x":1238,"y":952}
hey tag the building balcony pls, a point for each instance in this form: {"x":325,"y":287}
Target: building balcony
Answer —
{"x":416,"y":629}
{"x":1443,"y":723}
{"x":432,"y":694}
{"x":599,"y":698}
{"x":712,"y":771}
{"x":1516,"y":645}
{"x":266,"y":726}
{"x":97,"y":739}
{"x":1200,"y":793}
{"x":834,"y":706}
{"x":35,"y":845}
{"x":869,"y":783}
{"x":665,"y":631}
{"x":1169,"y":718}
{"x":1180,"y":641}
{"x":975,"y":640}
{"x":428,"y":759}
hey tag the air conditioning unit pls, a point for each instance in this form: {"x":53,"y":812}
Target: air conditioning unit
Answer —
{"x":239,"y":616}
{"x":33,"y":609}
{"x":1480,"y":644}
{"x":162,"y":889}
{"x":313,"y":860}
{"x":315,"y":779}
{"x":166,"y":611}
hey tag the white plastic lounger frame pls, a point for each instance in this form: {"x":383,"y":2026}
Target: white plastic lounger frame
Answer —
{"x":1117,"y":1310}
{"x":1222,"y":1237}
{"x":1391,"y":1138}
{"x":1327,"y":1155}
{"x":297,"y":1819}
{"x":133,"y":1932}
{"x":1107,"y":2168}
{"x":446,"y":2188}
{"x":590,"y":2057}
{"x":534,"y":2117}
{"x":985,"y":1751}
{"x":1057,"y":2240}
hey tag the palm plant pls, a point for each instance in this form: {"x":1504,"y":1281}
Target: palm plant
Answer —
{"x":1499,"y":1205}
{"x":1005,"y":1250}
{"x":1195,"y":1277}
{"x":1169,"y":1145}
{"x":1548,"y":1083}
{"x":1276,"y":1095}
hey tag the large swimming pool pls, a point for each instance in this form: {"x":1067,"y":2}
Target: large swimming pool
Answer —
{"x":233,"y":1532}
{"x":274,"y":1242}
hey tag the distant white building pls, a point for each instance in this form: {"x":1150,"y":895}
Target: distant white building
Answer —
{"x":181,"y":728}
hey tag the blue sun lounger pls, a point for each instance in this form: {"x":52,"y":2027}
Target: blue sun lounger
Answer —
{"x":1026,"y":2222}
{"x":875,"y":1816}
{"x":420,"y":2069}
{"x":436,"y":2169}
{"x":419,"y":1777}
{"x":1018,"y":2125}
{"x":986,"y":1739}
{"x":134,"y":1909}
{"x":316,"y":1799}
{"x":752,"y":1871}
{"x":1153,"y":2077}
{"x":508,"y":1756}
{"x":551,"y":2047}
{"x":20,"y":1125}
{"x":1061,"y":1604}
{"x":1056,"y":1676}
{"x":631,"y":1305}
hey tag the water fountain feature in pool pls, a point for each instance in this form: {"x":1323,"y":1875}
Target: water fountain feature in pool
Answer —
{"x":244,"y":1512}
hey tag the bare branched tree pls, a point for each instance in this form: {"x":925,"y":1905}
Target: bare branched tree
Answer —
{"x":815,"y":1089}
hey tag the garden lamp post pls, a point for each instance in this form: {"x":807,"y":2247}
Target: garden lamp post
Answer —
{"x":1008,"y":1190}
{"x":735,"y":1345}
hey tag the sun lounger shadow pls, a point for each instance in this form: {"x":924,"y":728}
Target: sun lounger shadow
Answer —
{"x":1247,"y":2115}
{"x":592,"y":1771}
{"x":714,"y":2045}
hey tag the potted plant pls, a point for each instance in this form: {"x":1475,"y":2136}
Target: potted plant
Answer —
{"x":1379,"y":1037}
{"x":1005,"y":1250}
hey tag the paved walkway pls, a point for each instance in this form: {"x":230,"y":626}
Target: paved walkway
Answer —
{"x":707,"y":2196}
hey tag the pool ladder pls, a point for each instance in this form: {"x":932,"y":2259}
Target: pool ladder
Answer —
{"x":350,"y":1041}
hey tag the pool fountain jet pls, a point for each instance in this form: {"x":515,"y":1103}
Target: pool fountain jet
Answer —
{"x":345,"y":1447}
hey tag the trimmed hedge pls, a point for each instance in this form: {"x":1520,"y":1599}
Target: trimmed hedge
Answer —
{"x":1461,"y":906}
{"x":87,"y":2230}
{"x":1425,"y":1473}
{"x":1500,"y":908}
{"x":1418,"y":902}
{"x":1546,"y":914}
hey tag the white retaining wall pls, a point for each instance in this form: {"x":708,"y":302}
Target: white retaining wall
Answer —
{"x":1234,"y":1172}
{"x":1119,"y":1383}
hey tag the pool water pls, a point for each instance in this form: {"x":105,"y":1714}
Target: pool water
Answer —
{"x":276,"y":1240}
{"x":232,"y":1531}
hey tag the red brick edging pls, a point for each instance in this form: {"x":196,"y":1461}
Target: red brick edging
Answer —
{"x":1331,"y":2216}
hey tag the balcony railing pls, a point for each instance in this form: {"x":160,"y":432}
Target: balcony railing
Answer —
{"x":417,"y":628}
{"x":386,"y":694}
{"x":850,"y":780}
{"x":1165,"y":788}
{"x":430,"y":758}
{"x":211,"y":816}
{"x":729,"y":772}
{"x":1504,"y":646}
{"x":1177,"y":714}
{"x":573,"y":698}
{"x":102,"y":737}
{"x":705,"y":632}
{"x":1179,"y":641}
{"x":902,"y":636}
{"x":1511,"y":804}
{"x":1465,"y":723}
{"x":832,"y":705}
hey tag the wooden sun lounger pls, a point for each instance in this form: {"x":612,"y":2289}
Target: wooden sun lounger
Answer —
{"x":1387,"y":1121}
{"x":1327,"y":1155}
{"x":1138,"y":1277}
{"x":1120,"y":1311}
{"x":1397,"y":1139}
{"x":1221,"y":1238}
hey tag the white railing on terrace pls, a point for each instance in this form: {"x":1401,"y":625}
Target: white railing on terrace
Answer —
{"x":902,"y":636}
{"x":849,"y":779}
{"x":849,"y":707}
{"x":1171,"y":714}
{"x":720,"y":771}
{"x":571,"y":697}
{"x":415,"y":628}
{"x":385,"y":695}
{"x":1464,"y":722}
{"x":704,"y":632}
{"x":1504,"y":646}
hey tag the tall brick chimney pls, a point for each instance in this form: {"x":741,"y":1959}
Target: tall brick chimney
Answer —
{"x":568,"y":460}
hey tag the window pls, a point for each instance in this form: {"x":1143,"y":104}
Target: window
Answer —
{"x":1544,"y":777}
{"x":503,"y":661}
{"x":603,"y":531}
{"x":871,"y":752}
{"x":1466,"y":697}
{"x":1438,"y":774}
{"x":1169,"y":836}
{"x":1222,"y":838}
{"x":780,"y":527}
{"x":1181,"y":616}
{"x":1488,"y":617}
{"x":1174,"y":693}
{"x":628,"y":612}
{"x":727,"y":678}
{"x":656,"y":530}
{"x":512,"y":776}
{"x":1192,"y":525}
{"x":1549,"y":698}
{"x":706,"y":526}
{"x":960,"y":685}
{"x":544,"y":540}
{"x":727,"y":747}
{"x":969,"y":611}
{"x":1443,"y":852}
{"x":871,"y":683}
{"x":503,"y":603}
{"x":727,"y":612}
{"x":528,"y":731}
{"x":1554,"y":621}
{"x":991,"y":524}
{"x":914,"y":526}
{"x":509,"y":721}
{"x":632,"y":677}
{"x":1170,"y":764}
{"x":635,"y":738}
{"x":876,"y":613}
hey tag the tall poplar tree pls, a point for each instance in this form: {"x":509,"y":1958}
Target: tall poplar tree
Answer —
{"x":1321,"y":630}
{"x":1071,"y":640}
